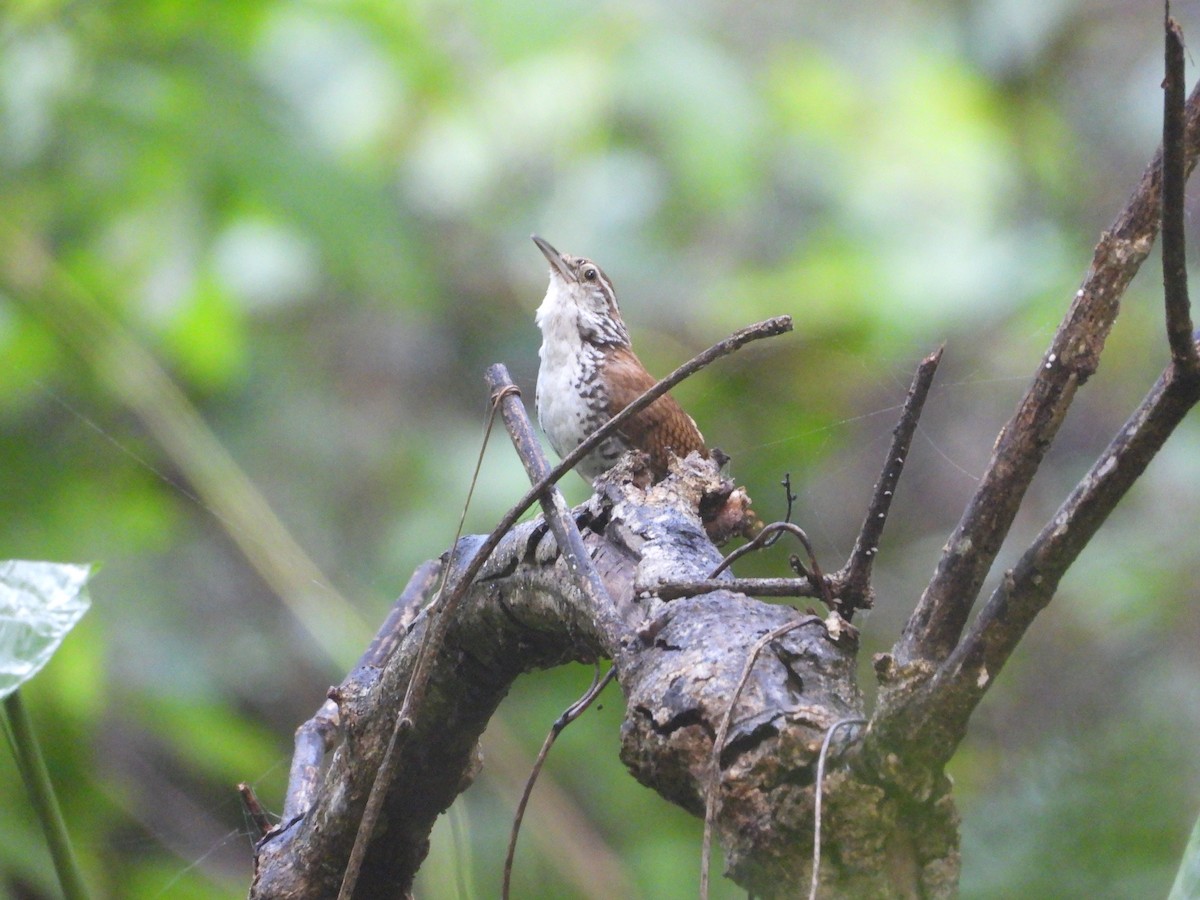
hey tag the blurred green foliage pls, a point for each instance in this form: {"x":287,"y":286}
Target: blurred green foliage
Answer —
{"x":315,"y":216}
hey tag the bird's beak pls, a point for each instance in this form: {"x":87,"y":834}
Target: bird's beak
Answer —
{"x":554,"y":256}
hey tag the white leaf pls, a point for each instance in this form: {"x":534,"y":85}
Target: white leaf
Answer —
{"x":39,"y":603}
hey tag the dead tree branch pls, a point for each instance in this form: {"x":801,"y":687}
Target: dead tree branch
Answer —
{"x":754,"y":587}
{"x":449,"y":603}
{"x":523,"y":611}
{"x":853,"y":582}
{"x":1174,"y":178}
{"x":1073,"y":355}
{"x":933,"y":684}
{"x":963,"y":679}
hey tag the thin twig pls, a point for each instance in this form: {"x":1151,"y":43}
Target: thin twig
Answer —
{"x":816,"y":860}
{"x":254,"y":809}
{"x":765,"y":329}
{"x":1174,"y":179}
{"x":751,"y":587}
{"x":573,"y":712}
{"x":786,"y":484}
{"x":813,"y":585}
{"x":854,"y":580}
{"x":714,"y":782}
{"x":849,"y":589}
{"x":766,"y":538}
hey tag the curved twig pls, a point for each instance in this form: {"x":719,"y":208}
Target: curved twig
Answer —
{"x":572,"y":712}
{"x":714,"y":784}
{"x":816,"y":860}
{"x":765,"y":538}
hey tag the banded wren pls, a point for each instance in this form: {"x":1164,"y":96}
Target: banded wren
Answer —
{"x":589,"y":373}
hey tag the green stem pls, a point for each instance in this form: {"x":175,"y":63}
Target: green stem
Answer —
{"x":41,"y":793}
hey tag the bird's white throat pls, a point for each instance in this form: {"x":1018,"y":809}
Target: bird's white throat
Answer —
{"x":558,"y":320}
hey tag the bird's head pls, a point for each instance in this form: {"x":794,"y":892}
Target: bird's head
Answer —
{"x":580,"y":294}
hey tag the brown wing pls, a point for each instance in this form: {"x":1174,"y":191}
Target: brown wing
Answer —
{"x":662,"y":428}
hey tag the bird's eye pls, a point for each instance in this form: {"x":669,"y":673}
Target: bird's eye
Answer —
{"x":589,"y":273}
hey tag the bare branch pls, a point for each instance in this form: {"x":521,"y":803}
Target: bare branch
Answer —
{"x":966,"y":675}
{"x":554,"y":507}
{"x":443,"y":613}
{"x":1174,"y":180}
{"x":765,"y":329}
{"x":928,"y":715}
{"x":1073,"y":355}
{"x":854,"y":580}
{"x":752,"y":587}
{"x":254,"y":809}
{"x":849,"y":588}
{"x":767,"y":538}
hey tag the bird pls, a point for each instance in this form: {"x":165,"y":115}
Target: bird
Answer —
{"x":588,"y":373}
